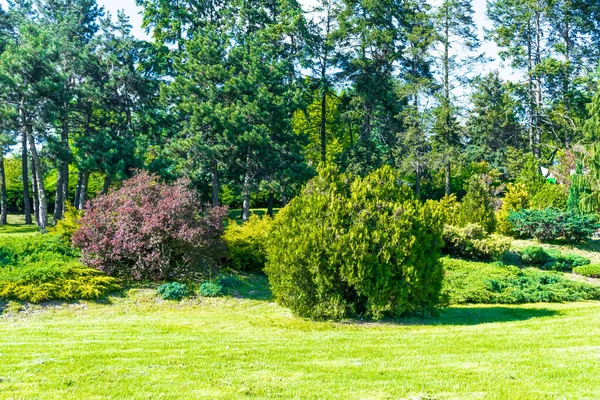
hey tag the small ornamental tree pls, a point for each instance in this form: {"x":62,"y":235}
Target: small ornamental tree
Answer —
{"x":149,"y":230}
{"x":515,"y":199}
{"x":476,"y":206}
{"x":356,"y":247}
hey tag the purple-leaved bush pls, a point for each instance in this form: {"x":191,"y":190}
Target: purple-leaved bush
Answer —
{"x":148,"y":229}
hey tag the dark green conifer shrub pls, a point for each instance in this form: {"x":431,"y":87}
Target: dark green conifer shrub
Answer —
{"x":172,"y":291}
{"x":476,"y":206}
{"x":350,"y":247}
{"x":550,"y":224}
{"x":210,"y":289}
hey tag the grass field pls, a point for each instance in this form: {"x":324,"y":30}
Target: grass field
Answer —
{"x":139,"y":347}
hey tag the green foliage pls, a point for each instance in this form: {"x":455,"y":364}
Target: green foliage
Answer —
{"x":476,"y":206}
{"x":66,"y":226}
{"x":450,"y":209}
{"x":172,"y":291}
{"x":551,"y":259}
{"x":44,"y":267}
{"x":515,"y":199}
{"x":473,"y":282}
{"x":590,"y":270}
{"x":550,"y":224}
{"x":550,"y":196}
{"x":246,"y":243}
{"x":53,"y":280}
{"x":356,"y":246}
{"x":229,"y":281}
{"x":210,"y":289}
{"x":473,"y":242}
{"x":531,"y":177}
{"x":534,"y":255}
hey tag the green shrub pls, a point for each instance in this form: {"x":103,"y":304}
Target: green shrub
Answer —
{"x":550,"y":196}
{"x":210,"y":289}
{"x":591,"y":270}
{"x":347,"y":247}
{"x":450,"y":209}
{"x":475,"y":282}
{"x":515,"y":199}
{"x":534,"y":255}
{"x":551,"y":259}
{"x":66,"y":226}
{"x":246,"y":243}
{"x":172,"y":291}
{"x":476,"y":206}
{"x":44,"y":267}
{"x":473,"y":242}
{"x":550,"y":224}
{"x":53,"y":280}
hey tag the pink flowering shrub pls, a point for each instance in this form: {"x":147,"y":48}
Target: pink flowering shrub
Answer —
{"x":150,"y":230}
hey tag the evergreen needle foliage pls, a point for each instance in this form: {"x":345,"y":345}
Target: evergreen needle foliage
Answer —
{"x":351,"y":247}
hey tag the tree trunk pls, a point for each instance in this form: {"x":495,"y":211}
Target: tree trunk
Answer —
{"x":215,"y":183}
{"x":36,"y":202}
{"x":58,"y":200}
{"x":106,"y":186}
{"x":43,"y":206}
{"x":83,"y":193}
{"x":448,"y":189}
{"x":246,"y":198}
{"x":3,"y":205}
{"x":62,"y":185}
{"x":323,"y":127}
{"x":25,"y":171}
{"x":78,"y":188}
{"x":418,"y":181}
{"x":270,"y":203}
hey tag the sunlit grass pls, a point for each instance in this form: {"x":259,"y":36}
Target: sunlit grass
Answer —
{"x":139,"y":347}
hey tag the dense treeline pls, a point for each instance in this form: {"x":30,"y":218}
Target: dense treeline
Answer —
{"x":246,"y":98}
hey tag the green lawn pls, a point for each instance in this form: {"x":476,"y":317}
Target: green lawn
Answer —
{"x":139,"y":347}
{"x":236,"y":213}
{"x":16,"y":226}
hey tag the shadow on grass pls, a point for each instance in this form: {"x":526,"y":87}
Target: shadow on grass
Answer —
{"x":251,"y":286}
{"x":477,"y":315}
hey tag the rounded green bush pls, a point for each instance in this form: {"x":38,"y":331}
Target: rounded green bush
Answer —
{"x":534,"y":255}
{"x":172,"y":291}
{"x":210,"y":289}
{"x":246,"y":243}
{"x":352,"y":247}
{"x":590,"y":270}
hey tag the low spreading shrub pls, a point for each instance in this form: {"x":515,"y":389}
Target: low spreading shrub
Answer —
{"x":550,"y":224}
{"x":551,"y":259}
{"x":61,"y":280}
{"x":356,"y":247}
{"x":210,"y":289}
{"x":44,"y":267}
{"x":148,"y":230}
{"x":473,"y":242}
{"x":475,"y":282}
{"x":172,"y":291}
{"x":591,"y":270}
{"x":246,"y":243}
{"x":534,"y":255}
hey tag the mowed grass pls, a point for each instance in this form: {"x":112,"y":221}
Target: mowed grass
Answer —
{"x":16,"y":226}
{"x":139,"y":347}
